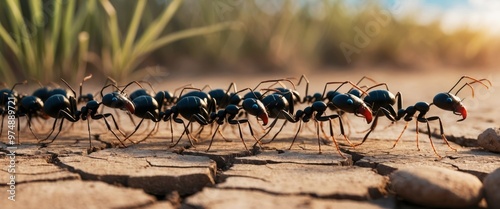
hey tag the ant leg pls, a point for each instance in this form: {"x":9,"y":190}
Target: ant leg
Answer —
{"x":323,"y":131}
{"x":18,"y":129}
{"x":317,"y":134}
{"x":424,"y":120}
{"x":270,"y":127}
{"x":130,"y":117}
{"x":279,"y":131}
{"x":171,"y":130}
{"x":389,"y":114}
{"x":67,"y":116}
{"x":104,"y":116}
{"x":186,"y":131}
{"x":348,"y":123}
{"x":213,"y":136}
{"x":343,"y":133}
{"x":3,"y":117}
{"x":287,"y":116}
{"x":296,"y":134}
{"x":114,"y":121}
{"x":241,"y":134}
{"x":31,"y":129}
{"x":51,"y":131}
{"x":335,"y":141}
{"x":251,"y":130}
{"x":152,"y":117}
{"x":135,"y":130}
{"x":441,"y":131}
{"x":416,"y":130}
{"x":397,"y":140}
{"x":59,"y":131}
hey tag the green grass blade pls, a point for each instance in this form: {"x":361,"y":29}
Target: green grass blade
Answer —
{"x":114,"y":30}
{"x":155,"y":29}
{"x":24,"y":38}
{"x":56,"y":24}
{"x":11,"y":43}
{"x":132,"y":30}
{"x":16,"y":20}
{"x":6,"y":70}
{"x":37,"y":21}
{"x":187,"y":34}
{"x":68,"y":37}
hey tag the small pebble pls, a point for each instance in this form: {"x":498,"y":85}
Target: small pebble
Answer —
{"x":492,"y":189}
{"x":490,"y":139}
{"x":436,"y":187}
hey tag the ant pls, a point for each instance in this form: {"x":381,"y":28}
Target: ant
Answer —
{"x":381,"y":102}
{"x":344,"y":102}
{"x":445,"y":101}
{"x":194,"y":108}
{"x":8,"y":96}
{"x":60,"y":107}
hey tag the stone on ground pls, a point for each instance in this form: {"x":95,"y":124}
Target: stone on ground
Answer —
{"x":436,"y":187}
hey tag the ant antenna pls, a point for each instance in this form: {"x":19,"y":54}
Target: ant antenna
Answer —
{"x":106,"y":86}
{"x":474,"y":81}
{"x":242,"y":90}
{"x":81,"y":84}
{"x":193,"y":88}
{"x":20,"y":83}
{"x":121,"y":92}
{"x":341,"y":84}
{"x":71,"y":88}
{"x":149,"y":84}
{"x":182,"y":87}
{"x":303,"y":77}
{"x":377,"y":85}
{"x":468,"y":84}
{"x":275,"y":80}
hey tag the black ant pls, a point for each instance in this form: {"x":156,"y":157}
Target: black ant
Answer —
{"x":9,"y":96}
{"x":445,"y":101}
{"x":60,"y":107}
{"x":381,"y":102}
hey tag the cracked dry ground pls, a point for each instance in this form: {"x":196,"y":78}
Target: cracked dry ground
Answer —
{"x":150,"y":175}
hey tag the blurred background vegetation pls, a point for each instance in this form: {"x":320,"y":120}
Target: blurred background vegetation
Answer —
{"x":53,"y":39}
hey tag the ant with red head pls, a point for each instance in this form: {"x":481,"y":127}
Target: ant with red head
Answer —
{"x":445,"y":101}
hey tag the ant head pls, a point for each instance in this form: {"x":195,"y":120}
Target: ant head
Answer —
{"x":353,"y":104}
{"x":256,"y":107}
{"x":117,"y":100}
{"x":450,"y":102}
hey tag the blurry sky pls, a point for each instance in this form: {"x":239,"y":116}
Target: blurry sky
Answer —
{"x":476,"y":14}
